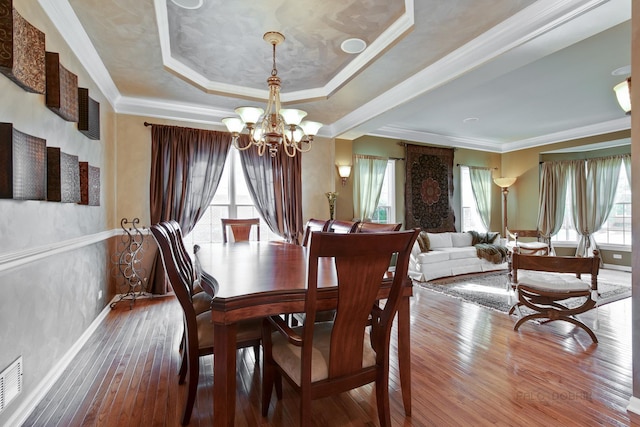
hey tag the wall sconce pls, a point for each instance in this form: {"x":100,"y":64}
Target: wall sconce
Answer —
{"x":623,"y":93}
{"x":504,"y":183}
{"x":344,"y":171}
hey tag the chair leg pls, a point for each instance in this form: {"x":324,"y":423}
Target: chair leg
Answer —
{"x":581,"y":325}
{"x":305,"y":406}
{"x":278,"y":382}
{"x":194,"y":373}
{"x":382,"y":396}
{"x":183,"y":368}
{"x":267,"y":385}
{"x":256,"y":353}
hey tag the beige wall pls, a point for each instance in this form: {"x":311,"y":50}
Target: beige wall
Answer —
{"x":49,"y":302}
{"x":134,"y":168}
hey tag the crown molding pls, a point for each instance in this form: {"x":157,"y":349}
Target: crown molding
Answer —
{"x":623,"y":123}
{"x":528,"y":24}
{"x":72,"y":31}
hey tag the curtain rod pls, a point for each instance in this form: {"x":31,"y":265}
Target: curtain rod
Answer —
{"x":469,"y":166}
{"x":147,"y":124}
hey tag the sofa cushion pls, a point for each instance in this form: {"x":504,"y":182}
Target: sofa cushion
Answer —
{"x":433,"y":257}
{"x":440,"y":240}
{"x":423,"y":242}
{"x":468,"y":252}
{"x":461,"y":239}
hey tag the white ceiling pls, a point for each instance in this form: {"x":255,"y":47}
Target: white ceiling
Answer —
{"x":522,"y":72}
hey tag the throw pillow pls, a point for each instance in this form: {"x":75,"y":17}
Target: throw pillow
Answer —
{"x":423,"y":241}
{"x":491,"y":236}
{"x":476,"y":237}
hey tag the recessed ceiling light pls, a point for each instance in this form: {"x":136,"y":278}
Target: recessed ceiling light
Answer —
{"x":470,"y":120}
{"x":353,"y":45}
{"x":622,"y":71}
{"x":188,"y":4}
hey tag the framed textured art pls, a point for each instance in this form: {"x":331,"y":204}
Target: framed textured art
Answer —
{"x":62,"y":89}
{"x":429,"y":188}
{"x":22,"y":55}
{"x":63,"y":176}
{"x":88,"y":114}
{"x":22,"y":164}
{"x":89,"y":184}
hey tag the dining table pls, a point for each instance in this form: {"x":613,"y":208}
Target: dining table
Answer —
{"x":263,"y":278}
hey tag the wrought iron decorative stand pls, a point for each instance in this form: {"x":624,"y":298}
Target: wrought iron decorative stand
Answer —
{"x":128,"y":262}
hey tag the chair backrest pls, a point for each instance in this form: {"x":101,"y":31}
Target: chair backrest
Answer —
{"x":175,"y":234}
{"x":374,"y":227}
{"x":516,"y":235}
{"x":556,"y":264}
{"x":362,"y":260}
{"x":314,"y":225}
{"x":179,"y":277}
{"x":343,"y":227}
{"x":240,"y":228}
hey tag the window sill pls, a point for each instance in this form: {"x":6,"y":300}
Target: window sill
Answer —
{"x":603,"y":246}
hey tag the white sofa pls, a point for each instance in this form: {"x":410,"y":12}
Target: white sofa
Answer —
{"x":450,"y":254}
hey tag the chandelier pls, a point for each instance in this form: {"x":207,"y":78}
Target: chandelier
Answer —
{"x":275,"y":126}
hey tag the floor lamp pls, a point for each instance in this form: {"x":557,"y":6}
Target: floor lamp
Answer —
{"x":504,"y":183}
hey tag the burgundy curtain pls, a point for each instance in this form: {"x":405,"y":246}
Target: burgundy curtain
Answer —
{"x":186,"y":165}
{"x":275,"y":184}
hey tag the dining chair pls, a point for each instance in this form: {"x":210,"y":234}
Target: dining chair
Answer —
{"x":343,"y":227}
{"x":240,"y":228}
{"x":374,"y":227}
{"x":544,"y":287}
{"x":326,"y":358}
{"x":198,"y":327}
{"x":537,"y":247}
{"x":200,"y":299}
{"x":314,"y":225}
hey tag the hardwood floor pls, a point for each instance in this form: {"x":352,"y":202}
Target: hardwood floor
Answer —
{"x":469,"y":368}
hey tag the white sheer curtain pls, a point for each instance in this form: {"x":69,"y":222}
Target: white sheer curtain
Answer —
{"x":481,"y":189}
{"x":367,"y":184}
{"x":594,"y":195}
{"x":626,"y":161}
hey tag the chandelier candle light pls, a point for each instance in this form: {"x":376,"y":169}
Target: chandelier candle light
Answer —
{"x":276,"y":126}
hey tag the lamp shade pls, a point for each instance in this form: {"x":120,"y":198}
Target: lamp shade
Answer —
{"x":292,"y":116}
{"x":233,"y":124}
{"x":249,"y":114}
{"x":504,"y":182}
{"x":344,"y":171}
{"x":623,"y":93}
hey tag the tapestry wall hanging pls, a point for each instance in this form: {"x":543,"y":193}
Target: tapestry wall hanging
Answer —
{"x":429,"y":188}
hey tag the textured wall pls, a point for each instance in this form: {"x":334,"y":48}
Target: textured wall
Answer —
{"x":50,"y":301}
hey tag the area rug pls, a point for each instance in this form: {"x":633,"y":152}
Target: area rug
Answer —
{"x":491,"y":290}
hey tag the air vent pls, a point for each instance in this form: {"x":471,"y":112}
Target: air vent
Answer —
{"x":10,"y":383}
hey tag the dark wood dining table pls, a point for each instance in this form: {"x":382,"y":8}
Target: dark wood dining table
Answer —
{"x":258,"y":279}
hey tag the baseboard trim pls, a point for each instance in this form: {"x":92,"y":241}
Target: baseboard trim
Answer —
{"x":31,"y":401}
{"x":634,"y":405}
{"x":617,"y":267}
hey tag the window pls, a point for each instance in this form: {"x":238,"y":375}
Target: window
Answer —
{"x":616,"y":230}
{"x":469,"y":208}
{"x":232,"y":200}
{"x":385,"y":212}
